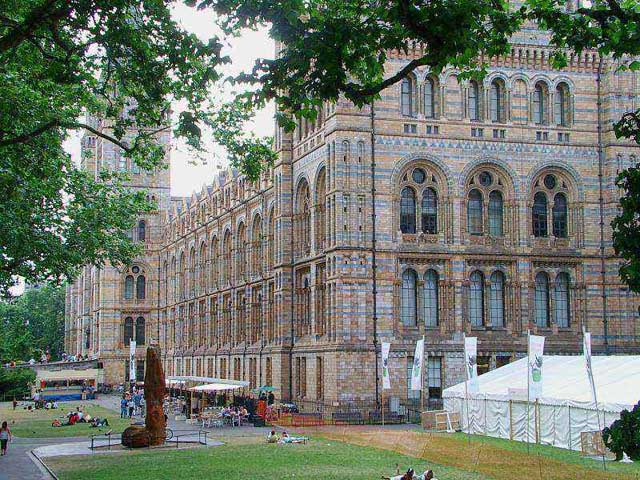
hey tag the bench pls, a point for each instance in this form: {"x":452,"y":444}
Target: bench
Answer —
{"x":306,"y":419}
{"x":389,"y":417}
{"x":347,"y":418}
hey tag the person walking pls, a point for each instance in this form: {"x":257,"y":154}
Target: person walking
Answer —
{"x":131,"y":406}
{"x":5,"y":437}
{"x":123,"y":407}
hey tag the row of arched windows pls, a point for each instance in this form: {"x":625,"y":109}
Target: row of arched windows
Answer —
{"x":485,"y":205}
{"x":541,"y":99}
{"x":419,"y":299}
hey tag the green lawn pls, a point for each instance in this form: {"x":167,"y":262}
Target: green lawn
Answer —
{"x":318,"y":460}
{"x":37,"y":423}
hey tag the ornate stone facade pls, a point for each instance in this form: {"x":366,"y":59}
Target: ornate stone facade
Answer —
{"x":493,"y":202}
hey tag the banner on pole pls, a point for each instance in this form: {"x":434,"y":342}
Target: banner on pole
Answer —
{"x":386,"y":381}
{"x":471,"y":363}
{"x":536,"y":352}
{"x":132,"y":361}
{"x":416,"y":371}
{"x":587,"y":360}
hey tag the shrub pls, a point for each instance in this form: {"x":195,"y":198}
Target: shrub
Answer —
{"x":624,"y":434}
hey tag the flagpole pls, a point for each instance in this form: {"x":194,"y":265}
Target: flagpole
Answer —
{"x":466,"y":387}
{"x":422,"y":381}
{"x":528,"y":383}
{"x":592,"y":380}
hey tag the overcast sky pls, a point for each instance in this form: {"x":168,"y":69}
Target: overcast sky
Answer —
{"x":187,"y":175}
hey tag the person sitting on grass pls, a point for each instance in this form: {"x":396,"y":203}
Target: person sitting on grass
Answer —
{"x":273,"y":437}
{"x":98,"y":422}
{"x":411,"y":475}
{"x":56,"y":423}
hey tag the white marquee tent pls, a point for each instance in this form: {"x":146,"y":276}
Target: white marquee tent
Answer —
{"x":499,"y":408}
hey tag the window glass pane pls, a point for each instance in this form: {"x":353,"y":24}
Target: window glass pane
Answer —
{"x":474,"y":213}
{"x":142,"y":231}
{"x":539,"y":215}
{"x":434,"y":376}
{"x":409,"y":298}
{"x":408,"y":211}
{"x":140,"y":287}
{"x":495,"y":98}
{"x":495,"y":214}
{"x":476,"y":299}
{"x":542,"y":300}
{"x":559,"y":212}
{"x":128,"y":330}
{"x":496,"y":299}
{"x":429,"y":211}
{"x":406,"y":97}
{"x":561,"y":300}
{"x":559,"y":106}
{"x":128,"y":287}
{"x":428,"y":98}
{"x":473,"y":101}
{"x":140,"y":333}
{"x":538,"y":105}
{"x":430,"y":304}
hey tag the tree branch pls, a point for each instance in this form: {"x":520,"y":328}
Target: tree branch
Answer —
{"x":25,"y":137}
{"x":47,"y":12}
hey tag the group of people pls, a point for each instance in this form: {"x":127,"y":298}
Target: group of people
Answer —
{"x":411,"y":475}
{"x":236,"y":414}
{"x":273,"y":437}
{"x":132,"y":404}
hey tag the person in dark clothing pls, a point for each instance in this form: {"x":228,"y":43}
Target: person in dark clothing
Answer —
{"x":271,"y":398}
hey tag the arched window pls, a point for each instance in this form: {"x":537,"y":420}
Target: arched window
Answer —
{"x":561,"y":302}
{"x":128,"y":330}
{"x":542,"y":300}
{"x":321,"y":196}
{"x":561,"y":103}
{"x":140,"y":287}
{"x":213,"y":258}
{"x":474,"y":212}
{"x":539,"y":104}
{"x":559,"y":212}
{"x":496,"y":299}
{"x":430,"y":298}
{"x":406,"y":97}
{"x":408,"y":210}
{"x":271,"y":249}
{"x":539,"y":215}
{"x":225,"y":264}
{"x":128,"y":287}
{"x":429,"y":211}
{"x":429,"y":98}
{"x":140,"y":333}
{"x":409,"y":300}
{"x":257,"y":259}
{"x":495,"y":214}
{"x":496,"y":101}
{"x":302,"y":220}
{"x":474,"y":100}
{"x":476,"y":299}
{"x":142,"y":231}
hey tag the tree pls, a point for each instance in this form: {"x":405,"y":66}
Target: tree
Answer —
{"x":32,"y":323}
{"x":623,"y":436}
{"x":124,"y":61}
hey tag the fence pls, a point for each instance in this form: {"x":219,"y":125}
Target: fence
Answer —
{"x":111,"y":439}
{"x":315,"y":413}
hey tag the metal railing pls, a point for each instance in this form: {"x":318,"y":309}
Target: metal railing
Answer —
{"x":115,"y":439}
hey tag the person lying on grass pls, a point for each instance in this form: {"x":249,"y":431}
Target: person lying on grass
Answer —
{"x":286,"y":438}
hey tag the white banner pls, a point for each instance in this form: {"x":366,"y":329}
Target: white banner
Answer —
{"x":586,"y":345}
{"x":536,"y":352}
{"x":132,"y":361}
{"x":386,"y":381}
{"x":471,"y":363}
{"x":416,"y":371}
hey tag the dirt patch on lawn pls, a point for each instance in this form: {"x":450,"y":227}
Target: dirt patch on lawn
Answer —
{"x":483,"y":458}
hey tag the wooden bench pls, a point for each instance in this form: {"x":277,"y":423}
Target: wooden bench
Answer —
{"x":389,"y":417}
{"x":347,"y":418}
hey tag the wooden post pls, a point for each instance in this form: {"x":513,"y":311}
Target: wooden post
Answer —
{"x":382,"y":404}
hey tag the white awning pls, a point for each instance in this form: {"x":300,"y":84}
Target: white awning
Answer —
{"x":206,"y":380}
{"x":215,"y":387}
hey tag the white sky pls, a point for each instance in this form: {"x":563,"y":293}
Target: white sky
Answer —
{"x":189,"y":174}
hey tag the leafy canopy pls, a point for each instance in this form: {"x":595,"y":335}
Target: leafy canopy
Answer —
{"x":124,"y":61}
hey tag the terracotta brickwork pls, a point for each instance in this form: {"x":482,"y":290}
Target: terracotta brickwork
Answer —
{"x":489,"y":202}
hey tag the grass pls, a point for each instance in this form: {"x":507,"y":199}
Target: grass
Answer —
{"x":318,"y":460}
{"x":37,"y":423}
{"x":494,"y":458}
